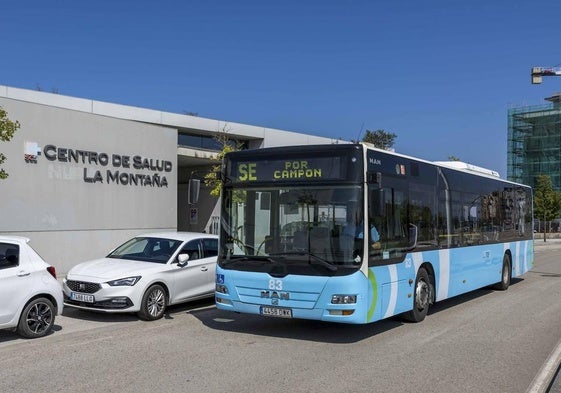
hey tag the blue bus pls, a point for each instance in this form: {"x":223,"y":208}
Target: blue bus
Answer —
{"x":353,"y":234}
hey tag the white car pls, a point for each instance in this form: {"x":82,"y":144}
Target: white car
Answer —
{"x":30,"y":295}
{"x":145,"y":275}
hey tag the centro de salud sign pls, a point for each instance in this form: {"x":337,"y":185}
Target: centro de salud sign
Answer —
{"x":121,"y":164}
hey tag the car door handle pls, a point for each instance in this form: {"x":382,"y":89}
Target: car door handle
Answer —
{"x":204,"y":268}
{"x":23,"y":274}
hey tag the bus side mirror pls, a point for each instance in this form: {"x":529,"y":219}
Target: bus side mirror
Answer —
{"x":374,"y":178}
{"x":413,"y":235}
{"x":194,"y":188}
{"x":377,"y":203}
{"x":268,"y":244}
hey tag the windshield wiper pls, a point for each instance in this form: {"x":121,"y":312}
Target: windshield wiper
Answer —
{"x":259,"y":258}
{"x":314,"y":260}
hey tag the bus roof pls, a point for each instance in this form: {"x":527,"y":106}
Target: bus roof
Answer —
{"x":468,"y":167}
{"x":456,"y":165}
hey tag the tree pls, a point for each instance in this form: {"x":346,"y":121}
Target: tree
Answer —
{"x":380,"y":139}
{"x":189,"y":113}
{"x":7,"y":131}
{"x":211,"y":179}
{"x":453,"y":158}
{"x":54,"y":90}
{"x":547,"y":201}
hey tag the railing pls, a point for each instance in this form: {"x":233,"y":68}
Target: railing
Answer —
{"x":213,"y":226}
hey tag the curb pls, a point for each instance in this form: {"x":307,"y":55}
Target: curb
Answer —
{"x":542,"y":381}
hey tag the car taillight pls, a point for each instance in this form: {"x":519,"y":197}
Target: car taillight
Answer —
{"x":52,"y":271}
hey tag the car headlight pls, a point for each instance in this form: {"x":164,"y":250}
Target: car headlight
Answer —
{"x":121,"y":282}
{"x":343,"y":299}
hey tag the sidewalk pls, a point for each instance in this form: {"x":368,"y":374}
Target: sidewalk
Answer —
{"x":549,"y":243}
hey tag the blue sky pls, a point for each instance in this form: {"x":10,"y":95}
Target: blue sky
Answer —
{"x":439,"y":74}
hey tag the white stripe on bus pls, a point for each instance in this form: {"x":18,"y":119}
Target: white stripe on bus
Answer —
{"x":393,"y":291}
{"x":517,"y":257}
{"x":444,"y":275}
{"x":417,"y":260}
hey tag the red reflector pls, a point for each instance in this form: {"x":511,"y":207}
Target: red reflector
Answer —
{"x":52,"y":271}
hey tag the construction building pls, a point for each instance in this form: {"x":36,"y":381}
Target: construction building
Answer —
{"x":534,"y":142}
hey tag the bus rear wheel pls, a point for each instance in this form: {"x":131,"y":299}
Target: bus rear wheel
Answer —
{"x":506,"y":274}
{"x":422,"y":297}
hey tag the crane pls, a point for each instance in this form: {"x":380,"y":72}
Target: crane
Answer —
{"x":538,"y":72}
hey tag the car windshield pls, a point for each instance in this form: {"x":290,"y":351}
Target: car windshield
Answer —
{"x":147,"y":249}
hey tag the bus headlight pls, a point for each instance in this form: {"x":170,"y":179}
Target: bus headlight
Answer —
{"x":221,"y":288}
{"x":343,"y":299}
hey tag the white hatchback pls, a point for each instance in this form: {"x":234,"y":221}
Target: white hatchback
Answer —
{"x":30,"y":295}
{"x":145,"y":275}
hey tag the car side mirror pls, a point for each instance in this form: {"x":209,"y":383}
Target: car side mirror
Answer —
{"x":182,"y":259}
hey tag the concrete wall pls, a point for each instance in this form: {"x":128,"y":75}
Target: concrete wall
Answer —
{"x":74,"y":211}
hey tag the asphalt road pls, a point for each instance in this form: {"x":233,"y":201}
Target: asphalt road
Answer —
{"x":485,"y":341}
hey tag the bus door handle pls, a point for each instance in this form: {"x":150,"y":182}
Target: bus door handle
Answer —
{"x":204,"y":268}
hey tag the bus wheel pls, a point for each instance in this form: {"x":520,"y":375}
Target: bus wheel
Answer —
{"x":422,"y":298}
{"x":506,"y":274}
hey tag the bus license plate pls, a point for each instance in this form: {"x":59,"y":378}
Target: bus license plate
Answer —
{"x":80,"y":297}
{"x":276,"y":312}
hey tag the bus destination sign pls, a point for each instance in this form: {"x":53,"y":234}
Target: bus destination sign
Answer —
{"x":317,"y":168}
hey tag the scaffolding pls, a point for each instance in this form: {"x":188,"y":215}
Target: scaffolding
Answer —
{"x":534,"y":143}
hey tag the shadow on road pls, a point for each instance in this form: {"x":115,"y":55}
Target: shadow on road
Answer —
{"x":545,"y":274}
{"x":10,"y":335}
{"x":99,"y":316}
{"x":87,"y":315}
{"x":328,"y":332}
{"x":296,"y":329}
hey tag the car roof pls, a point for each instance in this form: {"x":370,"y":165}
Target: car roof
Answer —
{"x":183,"y":236}
{"x":14,"y":239}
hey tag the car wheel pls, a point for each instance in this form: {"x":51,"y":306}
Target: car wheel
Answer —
{"x":37,"y":318}
{"x":421,"y":299}
{"x":154,"y":303}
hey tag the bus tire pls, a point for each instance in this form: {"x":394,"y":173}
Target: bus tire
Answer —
{"x":421,"y":297}
{"x":506,"y":274}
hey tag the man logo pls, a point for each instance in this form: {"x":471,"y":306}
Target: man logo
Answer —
{"x":275,"y":295}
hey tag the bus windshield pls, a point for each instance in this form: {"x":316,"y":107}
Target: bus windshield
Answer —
{"x":292,"y":230}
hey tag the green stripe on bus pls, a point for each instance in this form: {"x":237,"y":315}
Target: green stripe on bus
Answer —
{"x":372,"y":279}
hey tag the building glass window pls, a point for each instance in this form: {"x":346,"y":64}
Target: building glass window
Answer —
{"x":205,"y":142}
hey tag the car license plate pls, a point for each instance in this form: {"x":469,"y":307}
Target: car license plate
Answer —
{"x":80,"y":297}
{"x":276,"y":312}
